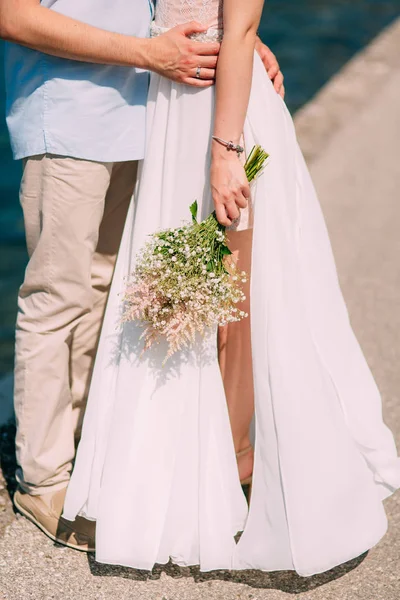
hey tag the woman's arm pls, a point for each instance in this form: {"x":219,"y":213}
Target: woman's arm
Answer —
{"x":233,"y":82}
{"x":172,"y":55}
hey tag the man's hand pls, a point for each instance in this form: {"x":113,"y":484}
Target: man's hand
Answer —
{"x":271,"y":66}
{"x":173,"y":54}
{"x":177,"y":57}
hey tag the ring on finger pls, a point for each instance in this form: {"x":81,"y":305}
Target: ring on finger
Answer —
{"x":198,"y":71}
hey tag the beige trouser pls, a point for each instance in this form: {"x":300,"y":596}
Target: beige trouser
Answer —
{"x":74,"y":213}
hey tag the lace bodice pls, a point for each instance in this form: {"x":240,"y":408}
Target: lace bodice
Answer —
{"x":175,"y":12}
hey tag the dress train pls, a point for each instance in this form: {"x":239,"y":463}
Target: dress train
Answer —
{"x":156,"y":465}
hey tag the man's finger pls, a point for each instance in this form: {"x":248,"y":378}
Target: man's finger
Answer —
{"x":201,"y":83}
{"x":207,"y":62}
{"x":191,"y":27}
{"x":272,"y":67}
{"x":273,"y":71}
{"x":207,"y":74}
{"x":278,"y":81}
{"x":207,"y":48}
{"x":282,"y":92}
{"x":268,"y":57}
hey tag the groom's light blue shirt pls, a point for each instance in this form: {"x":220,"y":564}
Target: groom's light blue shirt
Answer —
{"x":70,"y":108}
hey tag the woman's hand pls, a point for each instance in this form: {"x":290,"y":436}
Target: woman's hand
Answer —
{"x":229,"y":186}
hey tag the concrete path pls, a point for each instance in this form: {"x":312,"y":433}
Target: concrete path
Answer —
{"x":351,"y":137}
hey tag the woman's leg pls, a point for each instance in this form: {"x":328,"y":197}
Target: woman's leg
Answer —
{"x":234,"y":347}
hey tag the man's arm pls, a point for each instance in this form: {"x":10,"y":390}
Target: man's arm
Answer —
{"x":172,"y":54}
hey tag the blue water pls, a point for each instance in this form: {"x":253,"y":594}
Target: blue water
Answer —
{"x":312,"y":39}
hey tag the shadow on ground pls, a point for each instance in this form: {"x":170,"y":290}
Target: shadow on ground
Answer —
{"x":8,"y":483}
{"x":285,"y":581}
{"x":8,"y":461}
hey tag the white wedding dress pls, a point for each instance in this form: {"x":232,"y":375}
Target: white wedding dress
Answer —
{"x":156,"y":466}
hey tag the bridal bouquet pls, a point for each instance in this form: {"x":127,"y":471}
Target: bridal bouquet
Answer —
{"x":185,"y":280}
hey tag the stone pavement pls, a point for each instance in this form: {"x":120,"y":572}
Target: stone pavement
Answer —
{"x":350,"y":134}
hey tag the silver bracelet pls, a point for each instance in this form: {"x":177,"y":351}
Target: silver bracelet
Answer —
{"x":229,"y":145}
